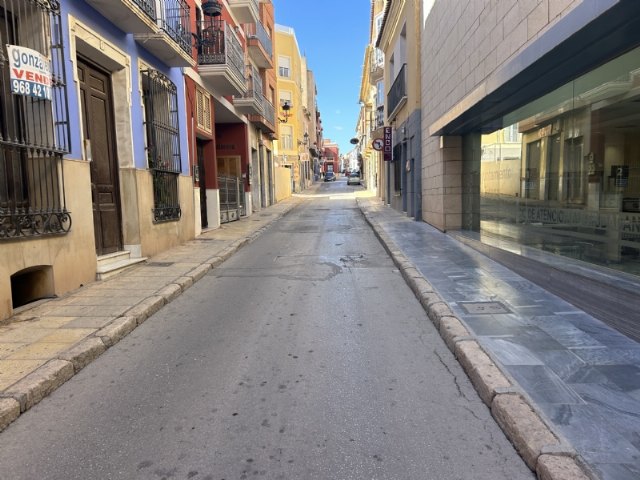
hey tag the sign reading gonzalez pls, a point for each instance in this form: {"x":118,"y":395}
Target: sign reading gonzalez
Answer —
{"x":30,"y":73}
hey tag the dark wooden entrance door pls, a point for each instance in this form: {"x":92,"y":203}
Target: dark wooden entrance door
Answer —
{"x":97,"y":115}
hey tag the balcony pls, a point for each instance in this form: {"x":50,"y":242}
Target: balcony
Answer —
{"x":172,"y":41}
{"x":376,"y":67}
{"x":397,"y":96}
{"x":266,"y":121}
{"x":377,"y":122}
{"x":259,"y":45}
{"x":131,"y":16}
{"x":252,"y":102}
{"x":221,"y":59}
{"x":245,"y":11}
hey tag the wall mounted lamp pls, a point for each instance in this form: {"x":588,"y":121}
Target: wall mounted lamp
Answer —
{"x":286,"y":111}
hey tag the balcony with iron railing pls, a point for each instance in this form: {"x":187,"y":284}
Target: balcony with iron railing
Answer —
{"x":259,"y":45}
{"x":131,"y":16}
{"x":376,"y":65}
{"x":245,"y":11}
{"x":397,"y":95}
{"x":252,"y":102}
{"x":378,"y":119}
{"x":267,"y":120}
{"x":172,"y":41}
{"x":221,"y":58}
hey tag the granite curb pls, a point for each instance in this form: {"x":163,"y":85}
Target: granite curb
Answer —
{"x":539,"y":446}
{"x":32,"y":388}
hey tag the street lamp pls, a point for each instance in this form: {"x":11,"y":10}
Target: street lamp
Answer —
{"x":212,"y":8}
{"x":286,"y":111}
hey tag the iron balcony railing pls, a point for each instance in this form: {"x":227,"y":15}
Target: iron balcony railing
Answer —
{"x":398,"y":91}
{"x":269,"y":112}
{"x":34,"y":120}
{"x":254,"y":84}
{"x":218,"y":45}
{"x":377,"y":60}
{"x":174,"y":20}
{"x":378,"y":121}
{"x":257,"y":31}
{"x":148,"y":7}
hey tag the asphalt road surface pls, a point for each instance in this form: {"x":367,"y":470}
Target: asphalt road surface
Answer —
{"x":305,"y":356}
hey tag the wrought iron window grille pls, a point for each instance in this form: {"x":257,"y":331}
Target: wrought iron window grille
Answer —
{"x":34,"y":121}
{"x":163,"y":143}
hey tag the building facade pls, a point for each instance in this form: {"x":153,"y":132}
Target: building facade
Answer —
{"x":525,"y":146}
{"x":399,"y":37}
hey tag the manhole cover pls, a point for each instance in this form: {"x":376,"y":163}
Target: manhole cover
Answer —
{"x":483,"y":308}
{"x":160,"y":264}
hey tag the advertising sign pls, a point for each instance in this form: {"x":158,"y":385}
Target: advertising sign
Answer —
{"x":30,"y":73}
{"x":388,"y":144}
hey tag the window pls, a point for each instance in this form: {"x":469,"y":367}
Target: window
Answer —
{"x":285,"y":96}
{"x":163,"y":143}
{"x":286,"y":134}
{"x":284,"y":66}
{"x":34,"y":125}
{"x":203,"y":110}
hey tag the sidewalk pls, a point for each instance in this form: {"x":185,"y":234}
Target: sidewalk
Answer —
{"x":44,"y":346}
{"x":526,"y":349}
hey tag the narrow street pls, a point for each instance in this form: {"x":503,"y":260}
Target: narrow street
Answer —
{"x":305,"y":356}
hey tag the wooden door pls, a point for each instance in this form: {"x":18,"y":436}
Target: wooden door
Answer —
{"x":99,"y":132}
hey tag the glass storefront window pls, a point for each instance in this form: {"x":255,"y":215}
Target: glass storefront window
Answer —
{"x":563,"y":175}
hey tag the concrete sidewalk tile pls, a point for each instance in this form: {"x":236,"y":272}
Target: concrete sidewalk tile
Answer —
{"x":12,"y":371}
{"x":146,"y":308}
{"x":7,"y":349}
{"x":9,"y":411}
{"x":452,"y":329}
{"x":68,"y":335}
{"x":555,"y":467}
{"x":170,"y":292}
{"x":105,"y":309}
{"x":117,"y":330}
{"x":40,"y":383}
{"x":83,"y":353}
{"x":522,"y":426}
{"x":485,"y":376}
{"x":39,"y":351}
{"x":49,"y":322}
{"x":90,"y":322}
{"x":24,"y":334}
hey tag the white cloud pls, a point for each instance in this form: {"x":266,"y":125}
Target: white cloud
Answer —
{"x":338,"y":127}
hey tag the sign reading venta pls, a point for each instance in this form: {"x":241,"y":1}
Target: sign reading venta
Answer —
{"x":30,"y":73}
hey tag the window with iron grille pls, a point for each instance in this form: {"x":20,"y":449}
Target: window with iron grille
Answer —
{"x":163,"y":143}
{"x":34,"y":123}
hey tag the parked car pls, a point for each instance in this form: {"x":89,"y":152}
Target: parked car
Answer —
{"x":354,"y":179}
{"x":329,"y":177}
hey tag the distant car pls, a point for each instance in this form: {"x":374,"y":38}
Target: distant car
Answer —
{"x":329,"y":177}
{"x":354,"y":179}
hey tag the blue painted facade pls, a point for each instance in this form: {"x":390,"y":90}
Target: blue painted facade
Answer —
{"x":124,"y":41}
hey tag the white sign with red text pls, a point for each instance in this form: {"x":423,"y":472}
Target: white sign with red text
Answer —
{"x":30,"y":72}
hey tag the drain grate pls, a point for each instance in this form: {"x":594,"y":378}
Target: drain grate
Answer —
{"x":483,"y":308}
{"x":160,"y":264}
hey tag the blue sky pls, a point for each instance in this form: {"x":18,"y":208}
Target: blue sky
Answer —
{"x":332,"y":34}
